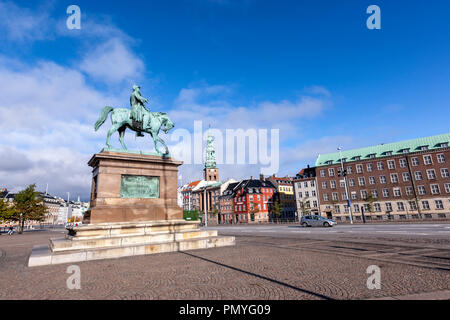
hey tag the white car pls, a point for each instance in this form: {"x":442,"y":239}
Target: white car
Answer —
{"x":316,"y":221}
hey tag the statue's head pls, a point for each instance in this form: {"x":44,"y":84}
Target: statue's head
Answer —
{"x":136,"y":88}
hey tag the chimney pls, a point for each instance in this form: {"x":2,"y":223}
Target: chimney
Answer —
{"x":251,"y":177}
{"x":261,"y":177}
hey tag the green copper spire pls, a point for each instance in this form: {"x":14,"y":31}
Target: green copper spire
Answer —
{"x":210,"y":153}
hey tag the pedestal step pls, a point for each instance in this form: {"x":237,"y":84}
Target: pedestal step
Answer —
{"x":77,"y":243}
{"x":42,"y":255}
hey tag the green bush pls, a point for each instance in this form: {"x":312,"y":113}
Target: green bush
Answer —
{"x":191,"y":215}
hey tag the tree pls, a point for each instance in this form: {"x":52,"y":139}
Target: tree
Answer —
{"x":305,"y":209}
{"x":28,"y":206}
{"x":277,"y":209}
{"x":6,"y":210}
{"x":254,"y":209}
{"x":369,"y":201}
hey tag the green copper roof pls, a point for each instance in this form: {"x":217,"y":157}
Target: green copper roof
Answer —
{"x":384,"y":150}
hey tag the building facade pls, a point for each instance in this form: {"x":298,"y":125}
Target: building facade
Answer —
{"x":253,"y":201}
{"x":285,"y":196}
{"x":306,"y":193}
{"x":403,"y":180}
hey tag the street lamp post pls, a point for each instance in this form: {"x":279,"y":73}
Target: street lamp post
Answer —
{"x":346,"y":187}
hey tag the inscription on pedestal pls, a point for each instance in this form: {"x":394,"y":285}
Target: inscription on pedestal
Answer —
{"x":139,"y":187}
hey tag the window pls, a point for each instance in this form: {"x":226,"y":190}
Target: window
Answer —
{"x":359,"y":168}
{"x":356,"y":207}
{"x":315,"y":204}
{"x":322,"y":173}
{"x":337,"y":209}
{"x":363,"y":194}
{"x":331,"y":172}
{"x":405,"y":150}
{"x":435,"y":189}
{"x":405,"y":176}
{"x":397,"y":192}
{"x":372,"y":180}
{"x":335,"y":196}
{"x":400,"y":206}
{"x":409,"y":191}
{"x":374,"y":194}
{"x":412,"y":205}
{"x":447,"y":187}
{"x":333,"y":184}
{"x":439,"y":204}
{"x":380,"y":166}
{"x":388,"y":207}
{"x":344,"y":196}
{"x":342,"y":183}
{"x":415,"y":161}
{"x":305,"y":184}
{"x":444,"y":173}
{"x":431,"y":174}
{"x":391,"y":164}
{"x":377,"y":207}
{"x":427,"y":159}
{"x":362,"y":181}
{"x":424,"y":148}
{"x":313,"y":193}
{"x":307,"y":194}
{"x":326,"y":197}
{"x":402,"y":163}
{"x":386,"y":193}
{"x":422,"y":191}
{"x":418,"y":175}
{"x":312,"y":183}
{"x":349,"y":170}
{"x":440,"y":158}
{"x":351,"y":182}
{"x":382,"y":179}
{"x":444,"y":145}
{"x":388,"y":153}
{"x":425,"y":205}
{"x":369,"y":167}
{"x":394,"y":177}
{"x":324,"y":185}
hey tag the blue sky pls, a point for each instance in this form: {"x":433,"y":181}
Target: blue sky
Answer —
{"x":309,"y":68}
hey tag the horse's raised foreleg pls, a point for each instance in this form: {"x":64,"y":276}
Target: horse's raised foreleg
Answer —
{"x":121,"y":135}
{"x":164,"y":144}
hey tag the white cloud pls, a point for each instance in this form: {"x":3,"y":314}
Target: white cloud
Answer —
{"x":113,"y":62}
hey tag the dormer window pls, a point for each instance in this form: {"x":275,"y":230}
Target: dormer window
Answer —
{"x":329,"y":162}
{"x":444,"y":145}
{"x":405,"y":150}
{"x":357,"y":158}
{"x":424,"y":148}
{"x":389,"y":153}
{"x":372,"y":155}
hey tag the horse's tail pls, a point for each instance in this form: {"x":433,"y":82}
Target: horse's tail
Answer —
{"x":103,"y":115}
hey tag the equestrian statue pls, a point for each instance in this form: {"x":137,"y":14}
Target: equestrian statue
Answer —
{"x":138,"y":119}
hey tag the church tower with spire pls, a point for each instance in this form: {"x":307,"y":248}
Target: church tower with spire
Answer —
{"x":211,"y":171}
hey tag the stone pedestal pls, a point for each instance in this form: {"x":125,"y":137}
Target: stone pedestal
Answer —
{"x":133,"y":211}
{"x":111,"y":203}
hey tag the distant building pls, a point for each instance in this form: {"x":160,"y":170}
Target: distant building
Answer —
{"x":226,"y":204}
{"x":285,"y":196}
{"x":306,"y":193}
{"x":403,"y":180}
{"x":253,"y":200}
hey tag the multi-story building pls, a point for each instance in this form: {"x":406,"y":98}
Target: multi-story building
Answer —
{"x":188,"y":197}
{"x":306,"y":193}
{"x":285,"y":196}
{"x":226,"y":204}
{"x":408,"y":179}
{"x":253,"y":200}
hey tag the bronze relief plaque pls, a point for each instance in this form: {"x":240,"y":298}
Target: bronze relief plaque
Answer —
{"x":135,"y":187}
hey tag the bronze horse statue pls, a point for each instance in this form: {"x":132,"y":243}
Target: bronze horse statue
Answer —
{"x":152,"y":123}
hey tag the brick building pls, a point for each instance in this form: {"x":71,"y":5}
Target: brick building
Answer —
{"x":252,"y":200}
{"x":226,"y":205}
{"x":403,"y":180}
